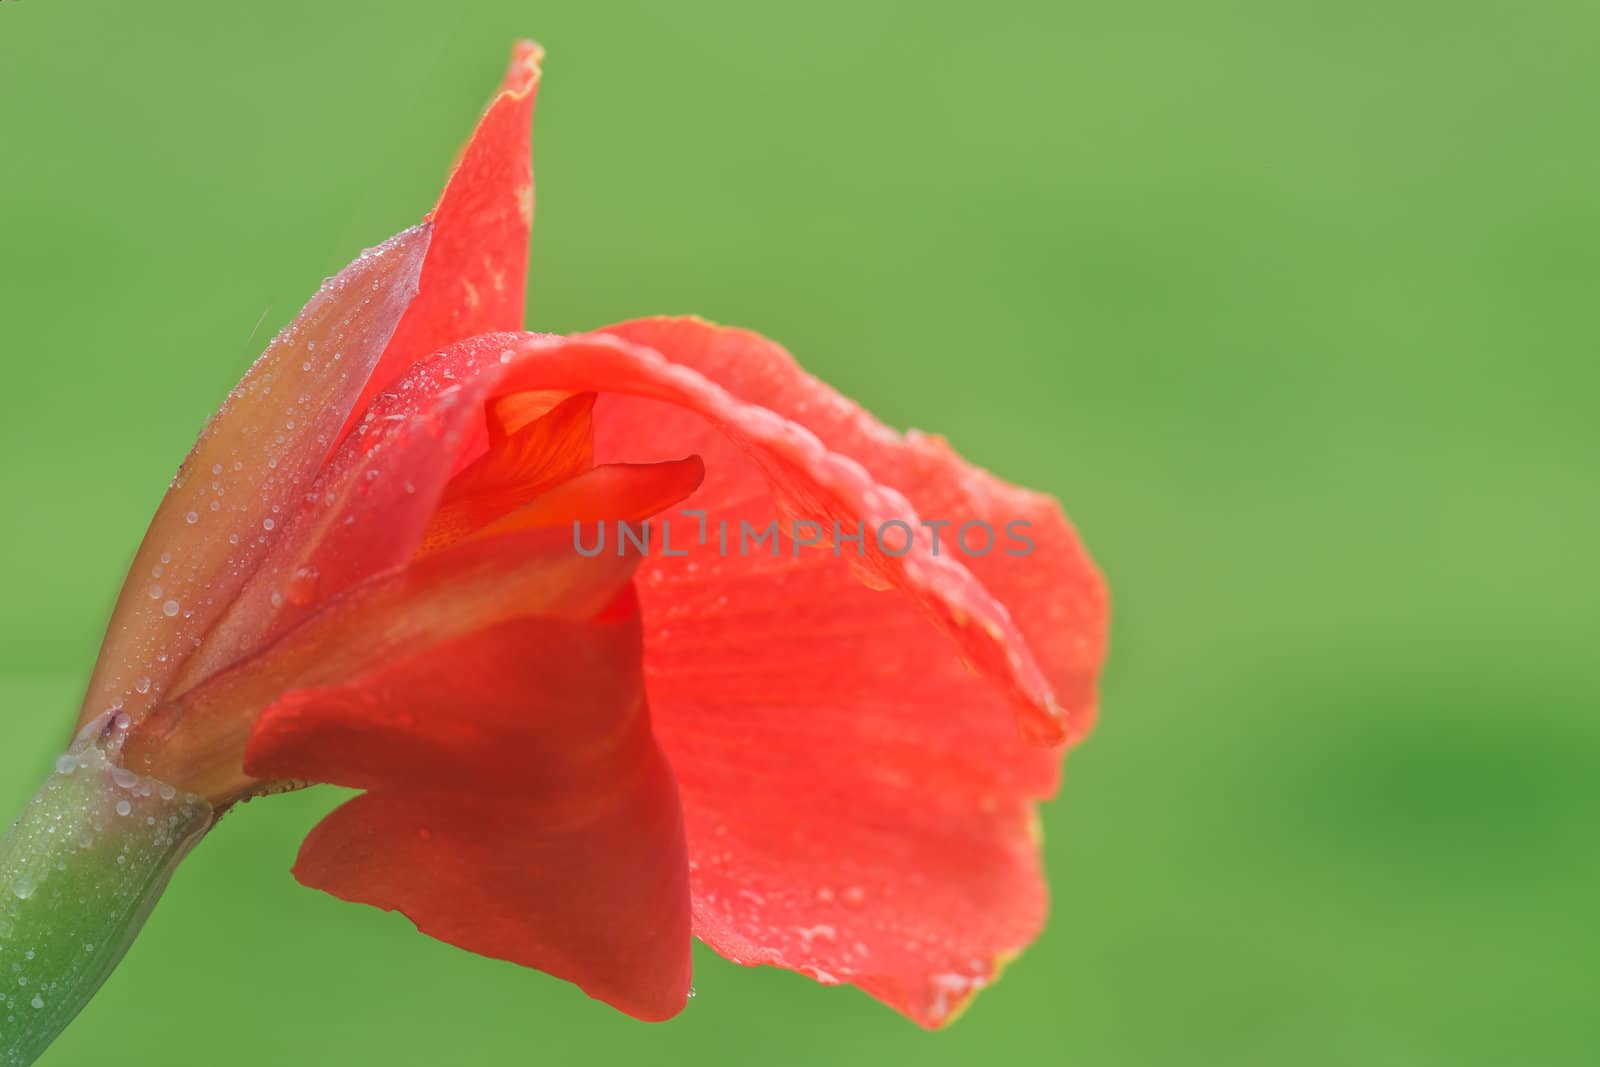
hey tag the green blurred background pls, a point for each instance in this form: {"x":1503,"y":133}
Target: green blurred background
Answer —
{"x":1293,"y":304}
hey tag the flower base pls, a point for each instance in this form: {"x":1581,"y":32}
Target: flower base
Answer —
{"x":80,"y":870}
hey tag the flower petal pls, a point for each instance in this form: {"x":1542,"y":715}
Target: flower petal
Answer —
{"x":859,"y":806}
{"x":366,"y":513}
{"x":787,"y":670}
{"x":547,"y":450}
{"x":256,"y":458}
{"x":787,"y":472}
{"x":1054,"y":594}
{"x":475,"y":277}
{"x":517,"y":804}
{"x":198,"y":739}
{"x":859,"y":803}
{"x":610,"y":493}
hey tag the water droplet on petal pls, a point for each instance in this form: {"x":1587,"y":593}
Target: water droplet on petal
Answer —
{"x":302,"y":588}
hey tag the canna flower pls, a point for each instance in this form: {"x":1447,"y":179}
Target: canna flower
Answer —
{"x":377,"y":569}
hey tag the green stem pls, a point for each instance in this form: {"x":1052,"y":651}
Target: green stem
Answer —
{"x":79,"y":873}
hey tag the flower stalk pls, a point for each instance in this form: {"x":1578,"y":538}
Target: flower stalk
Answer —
{"x":80,"y":870}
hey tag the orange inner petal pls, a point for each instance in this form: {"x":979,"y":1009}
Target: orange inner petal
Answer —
{"x":612,"y":492}
{"x":539,"y":472}
{"x":509,"y":415}
{"x":527,"y":454}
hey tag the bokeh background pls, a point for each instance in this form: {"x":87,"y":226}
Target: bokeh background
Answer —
{"x":1293,"y":304}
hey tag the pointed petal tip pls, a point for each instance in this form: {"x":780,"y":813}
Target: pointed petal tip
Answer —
{"x":527,"y":59}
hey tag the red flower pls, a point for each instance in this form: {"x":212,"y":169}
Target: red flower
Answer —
{"x":365,"y":574}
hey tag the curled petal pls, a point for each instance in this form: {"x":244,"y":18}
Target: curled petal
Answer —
{"x":800,"y":478}
{"x":516,"y":806}
{"x":1052,"y":592}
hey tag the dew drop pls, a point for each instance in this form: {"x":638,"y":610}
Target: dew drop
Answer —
{"x":192,"y":518}
{"x":66,"y":764}
{"x":38,"y":1001}
{"x":302,"y":588}
{"x":267,"y":524}
{"x":23,"y":887}
{"x":170,"y":608}
{"x":124,"y":808}
{"x":142,"y":685}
